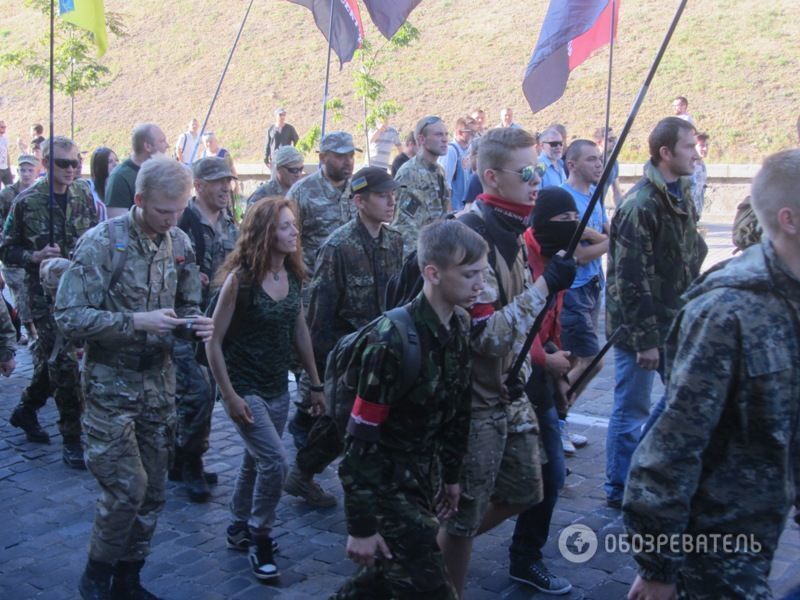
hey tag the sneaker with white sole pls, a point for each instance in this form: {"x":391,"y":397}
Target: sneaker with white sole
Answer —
{"x":262,"y":562}
{"x":535,"y":573}
{"x":566,"y":443}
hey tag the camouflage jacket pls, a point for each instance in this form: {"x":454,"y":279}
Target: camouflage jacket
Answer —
{"x":322,"y":208}
{"x":8,"y":335}
{"x":27,"y":229}
{"x":153,"y":277}
{"x":424,"y":198}
{"x":7,"y":196}
{"x":724,"y":457}
{"x":654,"y":254}
{"x":219,"y":240}
{"x":393,"y":444}
{"x":272,"y":187}
{"x":349,"y":284}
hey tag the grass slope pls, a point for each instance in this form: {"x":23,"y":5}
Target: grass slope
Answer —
{"x":738,"y":62}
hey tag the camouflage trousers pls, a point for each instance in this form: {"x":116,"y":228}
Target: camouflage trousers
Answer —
{"x":15,"y":278}
{"x":194,"y":401}
{"x":416,"y":569}
{"x":55,"y":374}
{"x":715,"y":576}
{"x":130,"y":425}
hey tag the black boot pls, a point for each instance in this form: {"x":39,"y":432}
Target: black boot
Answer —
{"x":72,"y":454}
{"x":26,"y":419}
{"x":126,"y":584}
{"x":176,"y":470}
{"x":193,"y":480}
{"x":95,"y":582}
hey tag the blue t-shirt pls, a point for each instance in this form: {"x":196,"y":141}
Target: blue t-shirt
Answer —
{"x":474,"y":188}
{"x":597,"y":221}
{"x":550,"y":174}
{"x":612,"y":177}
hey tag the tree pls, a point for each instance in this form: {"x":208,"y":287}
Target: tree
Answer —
{"x":75,"y":67}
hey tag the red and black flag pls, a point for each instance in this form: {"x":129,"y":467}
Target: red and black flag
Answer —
{"x":389,"y":15}
{"x":347,"y":32}
{"x":572,"y":30}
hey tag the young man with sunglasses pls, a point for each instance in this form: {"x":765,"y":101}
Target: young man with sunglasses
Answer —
{"x":26,"y":243}
{"x":550,"y":165}
{"x":502,"y":471}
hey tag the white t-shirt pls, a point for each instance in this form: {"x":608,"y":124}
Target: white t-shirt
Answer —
{"x":4,"y":152}
{"x":185,"y":144}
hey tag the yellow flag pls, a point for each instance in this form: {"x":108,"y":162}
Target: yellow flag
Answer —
{"x":89,"y":15}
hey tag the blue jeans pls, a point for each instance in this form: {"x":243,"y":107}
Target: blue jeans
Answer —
{"x":632,"y":389}
{"x":533,"y":525}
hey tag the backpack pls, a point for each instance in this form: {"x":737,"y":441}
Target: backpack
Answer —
{"x":343,"y":365}
{"x":190,"y":223}
{"x":746,"y":229}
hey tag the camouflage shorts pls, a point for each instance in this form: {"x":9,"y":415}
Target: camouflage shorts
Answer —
{"x":499,"y":468}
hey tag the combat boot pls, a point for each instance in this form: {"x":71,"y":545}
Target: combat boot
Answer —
{"x":301,"y":485}
{"x":26,"y":419}
{"x":72,"y":454}
{"x":95,"y":583}
{"x":193,"y":480}
{"x":126,"y":584}
{"x":175,"y":472}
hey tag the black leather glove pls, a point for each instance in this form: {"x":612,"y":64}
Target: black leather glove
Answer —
{"x":515,"y":387}
{"x":560,"y":273}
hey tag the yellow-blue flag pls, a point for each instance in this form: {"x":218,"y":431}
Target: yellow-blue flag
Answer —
{"x":89,"y":15}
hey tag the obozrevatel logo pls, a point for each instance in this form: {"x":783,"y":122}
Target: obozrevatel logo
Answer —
{"x":577,"y":543}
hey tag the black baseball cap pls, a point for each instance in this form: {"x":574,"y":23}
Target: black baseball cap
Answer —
{"x":372,"y":179}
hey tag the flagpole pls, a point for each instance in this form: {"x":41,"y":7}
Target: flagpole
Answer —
{"x":50,"y":149}
{"x":219,"y":85}
{"x":610,"y":68}
{"x":513,"y":373}
{"x":327,"y":74}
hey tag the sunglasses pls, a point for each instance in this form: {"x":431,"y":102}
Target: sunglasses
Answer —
{"x":428,"y":121}
{"x":526,"y":173}
{"x":554,"y":144}
{"x":294,"y":170}
{"x":65,"y":163}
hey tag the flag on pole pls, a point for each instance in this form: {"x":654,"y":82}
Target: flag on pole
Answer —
{"x":572,"y":30}
{"x":348,"y":31}
{"x":89,"y":15}
{"x":389,"y":16}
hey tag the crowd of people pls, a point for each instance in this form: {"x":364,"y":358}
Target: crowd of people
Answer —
{"x":400,"y":295}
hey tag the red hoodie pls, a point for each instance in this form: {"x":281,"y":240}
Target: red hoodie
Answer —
{"x":551,"y":328}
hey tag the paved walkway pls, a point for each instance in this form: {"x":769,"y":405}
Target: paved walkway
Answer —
{"x":47,"y":514}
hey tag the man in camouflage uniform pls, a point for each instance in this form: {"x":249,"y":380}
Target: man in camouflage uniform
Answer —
{"x":393,"y":492}
{"x":27,"y":169}
{"x":206,"y":217}
{"x":287,"y":169}
{"x":347,"y":291}
{"x":654,"y":253}
{"x":8,"y":338}
{"x":424,"y":195}
{"x":723,"y":457}
{"x":324,"y":203}
{"x":26,"y":243}
{"x":133,"y":285}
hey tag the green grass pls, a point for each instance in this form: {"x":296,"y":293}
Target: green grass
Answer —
{"x":737,"y":61}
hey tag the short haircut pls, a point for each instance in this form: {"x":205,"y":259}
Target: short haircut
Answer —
{"x":681,"y":99}
{"x":448,"y":243}
{"x":560,"y":129}
{"x":38,"y":128}
{"x":464,"y":122}
{"x":163,"y":177}
{"x":474,"y":145}
{"x":575,"y":149}
{"x":600,"y":134}
{"x":551,"y":131}
{"x":411,"y":139}
{"x":775,"y":187}
{"x":702,"y":137}
{"x":665,"y":134}
{"x":208,"y":135}
{"x":424,"y":122}
{"x":497,"y":144}
{"x":58,"y":141}
{"x":142,"y":134}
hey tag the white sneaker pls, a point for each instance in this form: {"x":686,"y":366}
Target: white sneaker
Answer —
{"x":566,"y":443}
{"x":578,"y":440}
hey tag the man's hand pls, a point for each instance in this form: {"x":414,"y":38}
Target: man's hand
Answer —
{"x":648,"y":359}
{"x":158,"y":321}
{"x":446,"y":501}
{"x":560,"y":273}
{"x":204,"y":279}
{"x":362,"y":551}
{"x":7,"y":367}
{"x":238,"y":410}
{"x":317,"y":403}
{"x":558,"y":363}
{"x":50,"y":251}
{"x":651,"y":590}
{"x":202,"y":327}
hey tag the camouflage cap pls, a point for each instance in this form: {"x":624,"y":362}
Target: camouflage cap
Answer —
{"x":50,"y":273}
{"x":372,"y":179}
{"x":339,"y":142}
{"x":286,"y":155}
{"x":212,"y":168}
{"x":27,"y":159}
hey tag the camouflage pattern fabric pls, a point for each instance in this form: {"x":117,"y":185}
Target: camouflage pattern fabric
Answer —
{"x":7,"y":195}
{"x":130,"y":411}
{"x":321,"y":209}
{"x":654,"y":254}
{"x":396,"y":446}
{"x":746,"y":228}
{"x":721,"y":457}
{"x":15,"y":278}
{"x":269,"y":188}
{"x":8,"y":335}
{"x":423,"y":199}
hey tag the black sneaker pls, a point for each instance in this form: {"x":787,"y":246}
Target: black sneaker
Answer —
{"x":535,"y":573}
{"x":261,"y":561}
{"x":72,"y":455}
{"x":239,"y":538}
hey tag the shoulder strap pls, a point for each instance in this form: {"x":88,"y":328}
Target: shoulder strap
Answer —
{"x":476,"y":223}
{"x":118,"y":245}
{"x":412,"y":354}
{"x":191,"y":224}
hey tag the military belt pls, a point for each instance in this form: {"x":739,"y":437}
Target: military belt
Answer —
{"x":132,"y":362}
